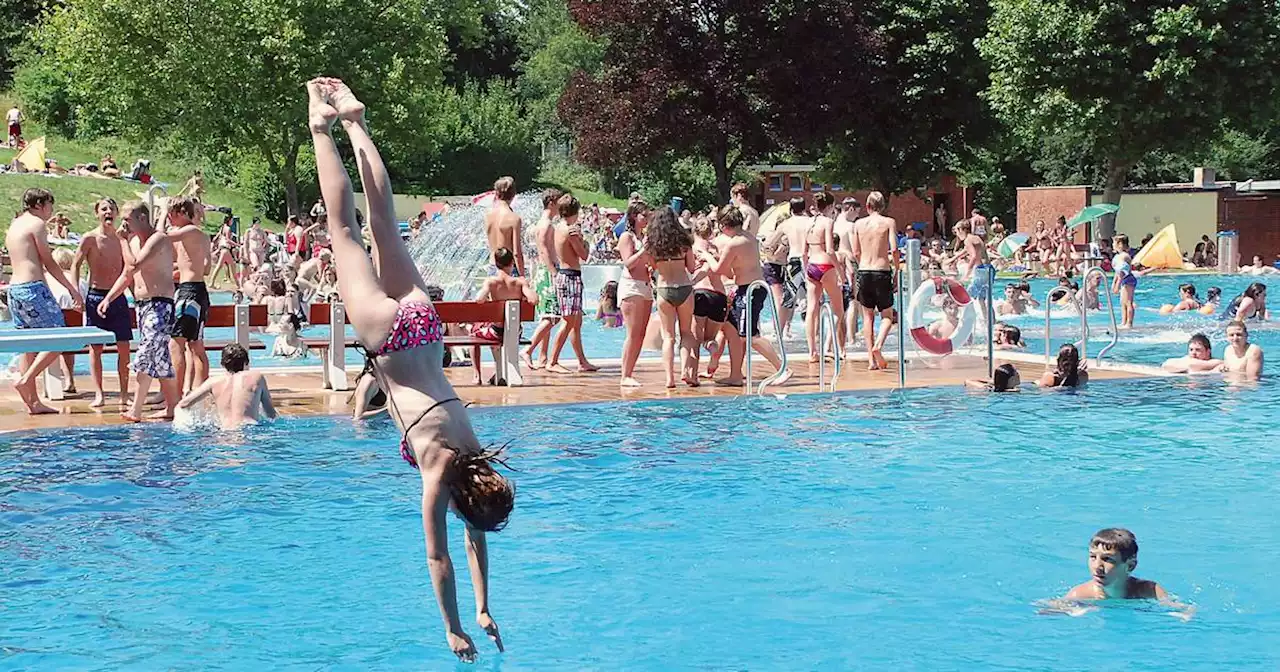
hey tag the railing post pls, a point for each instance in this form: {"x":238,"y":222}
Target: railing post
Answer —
{"x":510,"y":352}
{"x":242,"y":324}
{"x":335,"y":364}
{"x":902,"y":337}
{"x":991,"y":324}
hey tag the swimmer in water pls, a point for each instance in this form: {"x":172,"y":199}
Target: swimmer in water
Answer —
{"x":1069,"y":372}
{"x":241,"y":397}
{"x":1252,"y":304}
{"x":1241,"y":356}
{"x":1189,"y":300}
{"x":395,"y":321}
{"x":1008,"y":337}
{"x":1199,"y":358}
{"x":1113,"y":555}
{"x":1005,"y":378}
{"x":943,"y":328}
{"x":1212,"y":298}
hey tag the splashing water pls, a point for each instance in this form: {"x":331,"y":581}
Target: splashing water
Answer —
{"x":452,"y":251}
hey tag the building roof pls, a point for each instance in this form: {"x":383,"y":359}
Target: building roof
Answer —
{"x":783,"y":168}
{"x":1257,"y":185}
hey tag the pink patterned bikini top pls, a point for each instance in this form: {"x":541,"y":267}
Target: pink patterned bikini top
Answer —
{"x":417,"y":325}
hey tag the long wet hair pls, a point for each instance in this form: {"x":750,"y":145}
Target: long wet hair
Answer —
{"x":1214,"y":294}
{"x":665,"y":238}
{"x":1068,"y":371}
{"x":483,"y":497}
{"x":1002,"y":378}
{"x":1252,"y":291}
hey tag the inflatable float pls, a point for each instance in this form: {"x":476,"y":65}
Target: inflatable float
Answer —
{"x":923,"y":297}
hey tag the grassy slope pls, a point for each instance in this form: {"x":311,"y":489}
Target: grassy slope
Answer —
{"x":75,"y":196}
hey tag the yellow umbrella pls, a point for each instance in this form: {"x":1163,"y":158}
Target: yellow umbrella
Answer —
{"x":33,"y":156}
{"x":1162,"y":251}
{"x":772,"y":217}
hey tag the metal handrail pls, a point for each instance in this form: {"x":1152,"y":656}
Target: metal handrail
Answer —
{"x":151,"y":204}
{"x":991,"y":323}
{"x":1111,"y":308}
{"x":902,"y":336}
{"x":777,"y":329}
{"x":824,"y":316}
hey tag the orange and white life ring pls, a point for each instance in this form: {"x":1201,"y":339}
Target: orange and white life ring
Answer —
{"x":923,"y":297}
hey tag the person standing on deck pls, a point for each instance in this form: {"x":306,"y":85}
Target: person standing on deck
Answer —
{"x":100,"y":249}
{"x":502,"y":226}
{"x":31,"y":302}
{"x":544,"y":240}
{"x":874,"y":239}
{"x":192,"y":251}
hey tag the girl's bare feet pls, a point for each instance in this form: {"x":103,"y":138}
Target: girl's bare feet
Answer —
{"x":349,"y":108}
{"x":630,"y":382}
{"x":99,"y":400}
{"x":320,"y":113}
{"x":587,"y":367}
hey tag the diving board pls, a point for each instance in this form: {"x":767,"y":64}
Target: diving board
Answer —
{"x":54,"y":339}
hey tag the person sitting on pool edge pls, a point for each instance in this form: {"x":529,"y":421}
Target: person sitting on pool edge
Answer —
{"x":1199,"y":358}
{"x":1113,"y":555}
{"x":1069,"y":372}
{"x":1005,"y":378}
{"x":241,"y":397}
{"x":1241,"y":356}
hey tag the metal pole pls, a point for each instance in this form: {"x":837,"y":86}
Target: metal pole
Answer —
{"x":902,"y":341}
{"x":991,"y":324}
{"x":822,"y":344}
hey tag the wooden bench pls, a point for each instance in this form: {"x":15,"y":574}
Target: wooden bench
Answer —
{"x":510,"y":314}
{"x":333,"y":356}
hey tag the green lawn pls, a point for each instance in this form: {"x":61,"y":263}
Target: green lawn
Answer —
{"x":75,"y":196}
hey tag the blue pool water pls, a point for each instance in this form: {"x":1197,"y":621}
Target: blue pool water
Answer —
{"x":911,"y":530}
{"x":1155,"y":338}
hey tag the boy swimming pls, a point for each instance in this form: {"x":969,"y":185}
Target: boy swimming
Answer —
{"x":1113,"y":555}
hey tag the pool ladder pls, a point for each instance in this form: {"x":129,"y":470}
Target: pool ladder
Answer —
{"x":828,"y":317}
{"x":777,"y":330}
{"x":1083,"y":343}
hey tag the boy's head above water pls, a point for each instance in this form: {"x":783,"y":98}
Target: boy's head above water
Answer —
{"x":1113,"y":555}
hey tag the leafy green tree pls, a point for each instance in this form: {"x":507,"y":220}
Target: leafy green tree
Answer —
{"x":554,"y":48}
{"x":229,"y":73}
{"x":17,"y":19}
{"x":926,"y":110}
{"x":1123,"y":79}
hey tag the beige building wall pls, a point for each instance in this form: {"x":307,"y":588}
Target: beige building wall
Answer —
{"x":1195,"y":213}
{"x":407,"y":205}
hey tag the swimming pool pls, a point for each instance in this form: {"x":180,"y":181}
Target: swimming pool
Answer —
{"x":912,"y":530}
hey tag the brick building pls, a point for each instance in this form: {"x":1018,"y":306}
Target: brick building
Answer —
{"x":780,"y":183}
{"x":1202,"y":207}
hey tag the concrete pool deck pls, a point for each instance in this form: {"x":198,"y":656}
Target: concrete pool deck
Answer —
{"x":297,"y":391}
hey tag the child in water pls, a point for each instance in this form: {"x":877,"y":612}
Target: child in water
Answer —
{"x":1008,"y":337}
{"x":288,"y":343}
{"x":1069,"y":372}
{"x":1113,"y":555}
{"x":1187,"y":300}
{"x":1211,"y":300}
{"x":607,"y":311}
{"x":945,"y":327}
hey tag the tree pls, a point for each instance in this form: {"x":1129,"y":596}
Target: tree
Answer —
{"x":725,"y":81}
{"x":229,"y":73}
{"x":930,"y":112}
{"x":17,"y":18}
{"x":1122,"y":79}
{"x":555,"y":48}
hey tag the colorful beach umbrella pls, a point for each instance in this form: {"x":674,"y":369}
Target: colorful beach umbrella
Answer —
{"x":1092,"y":214}
{"x":770,"y":218}
{"x":1162,"y":251}
{"x":1011,"y":244}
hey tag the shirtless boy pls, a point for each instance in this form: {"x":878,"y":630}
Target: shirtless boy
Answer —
{"x":1199,"y":358}
{"x":100,"y":248}
{"x":1241,"y":356}
{"x":191,"y":300}
{"x":874,"y":238}
{"x":974,"y":265}
{"x":148,"y":264}
{"x":241,"y":397}
{"x":739,"y":262}
{"x":750,"y":218}
{"x":544,"y":238}
{"x":844,"y":252}
{"x":1113,"y":555}
{"x":571,"y":250}
{"x":502,"y":224}
{"x":31,"y":302}
{"x":505,"y":286}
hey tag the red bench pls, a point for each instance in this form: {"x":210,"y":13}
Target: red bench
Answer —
{"x":332,"y":349}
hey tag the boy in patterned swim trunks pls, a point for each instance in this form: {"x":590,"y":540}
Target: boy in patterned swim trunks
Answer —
{"x":572,"y":251}
{"x":31,"y":303}
{"x":148,"y":262}
{"x":544,"y":237}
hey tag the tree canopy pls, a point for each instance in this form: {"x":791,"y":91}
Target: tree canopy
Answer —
{"x":1120,"y":80}
{"x":728,"y":81}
